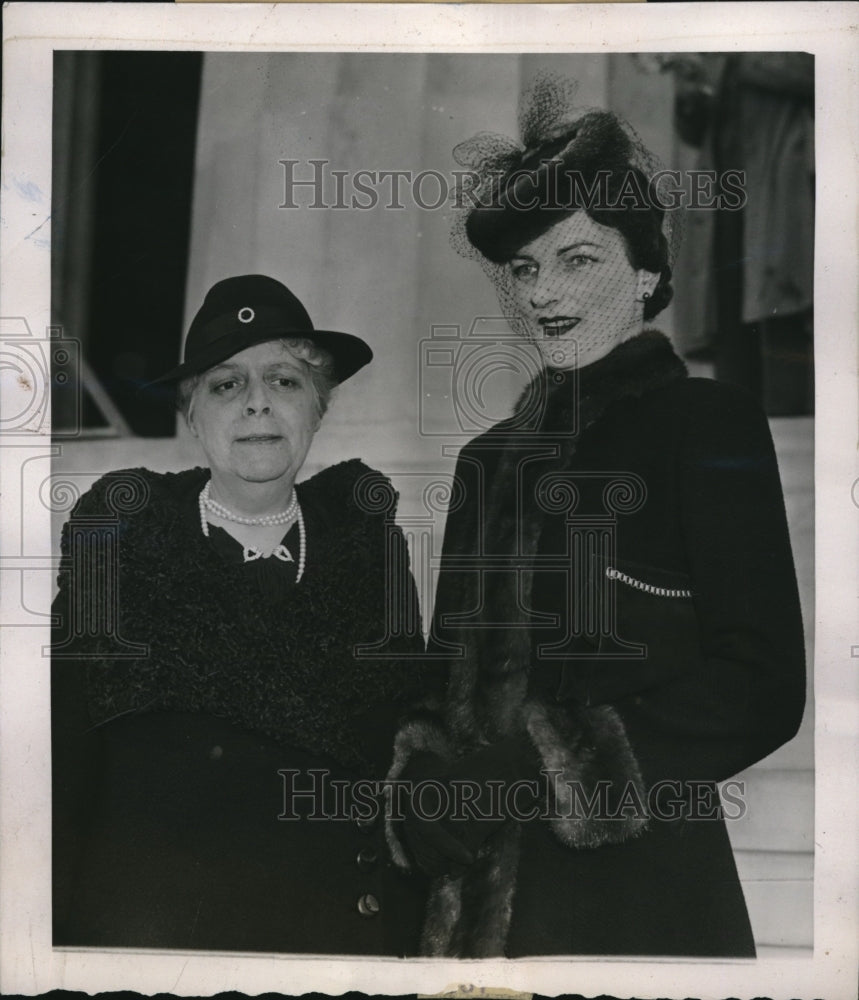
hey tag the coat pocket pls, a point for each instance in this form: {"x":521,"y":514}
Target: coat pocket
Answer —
{"x":612,"y":573}
{"x":649,"y":608}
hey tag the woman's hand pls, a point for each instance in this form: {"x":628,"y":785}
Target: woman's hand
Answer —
{"x":435,"y":850}
{"x":442,"y":833}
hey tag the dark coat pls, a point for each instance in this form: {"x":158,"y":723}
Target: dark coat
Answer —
{"x":626,"y":539}
{"x":173,"y":758}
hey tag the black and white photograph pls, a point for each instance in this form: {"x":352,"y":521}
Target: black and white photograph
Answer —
{"x":429,"y":523}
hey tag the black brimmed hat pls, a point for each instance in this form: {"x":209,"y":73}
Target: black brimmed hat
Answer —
{"x":250,"y":309}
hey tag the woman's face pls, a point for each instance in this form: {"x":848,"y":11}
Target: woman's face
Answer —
{"x":577,"y":292}
{"x":255,"y":415}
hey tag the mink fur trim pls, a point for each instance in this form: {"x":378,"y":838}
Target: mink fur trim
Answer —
{"x":487,"y":897}
{"x":579,"y":397}
{"x":444,"y":910}
{"x":589,"y":760}
{"x":416,"y":735}
{"x":469,"y":916}
{"x":487,"y":698}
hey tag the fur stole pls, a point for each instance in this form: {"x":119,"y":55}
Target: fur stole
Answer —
{"x":487,"y":697}
{"x":208,"y":639}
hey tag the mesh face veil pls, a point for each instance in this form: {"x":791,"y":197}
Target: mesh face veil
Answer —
{"x":569,"y":225}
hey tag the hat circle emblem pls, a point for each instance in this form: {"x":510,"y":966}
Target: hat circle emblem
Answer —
{"x":246,"y":314}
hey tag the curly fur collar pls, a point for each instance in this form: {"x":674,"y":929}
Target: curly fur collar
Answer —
{"x":214,"y":645}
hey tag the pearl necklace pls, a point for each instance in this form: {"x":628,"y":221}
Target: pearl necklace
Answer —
{"x":283,"y":517}
{"x":292,"y":513}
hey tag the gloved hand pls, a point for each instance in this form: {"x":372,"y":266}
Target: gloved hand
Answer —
{"x":447,"y":843}
{"x":434,"y":849}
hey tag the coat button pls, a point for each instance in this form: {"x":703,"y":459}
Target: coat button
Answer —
{"x":366,"y":825}
{"x":367,"y":859}
{"x":368,"y":905}
{"x":216,"y":753}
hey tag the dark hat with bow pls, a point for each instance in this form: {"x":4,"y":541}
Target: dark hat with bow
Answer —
{"x":574,"y":165}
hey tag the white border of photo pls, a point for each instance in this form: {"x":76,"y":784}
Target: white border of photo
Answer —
{"x":28,"y":964}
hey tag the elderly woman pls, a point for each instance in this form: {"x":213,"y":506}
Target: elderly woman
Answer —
{"x":212,"y":705}
{"x":617,"y":595}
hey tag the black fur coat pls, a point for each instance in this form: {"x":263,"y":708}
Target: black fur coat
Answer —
{"x":625,"y":536}
{"x":195,"y":633}
{"x":188,"y":696}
